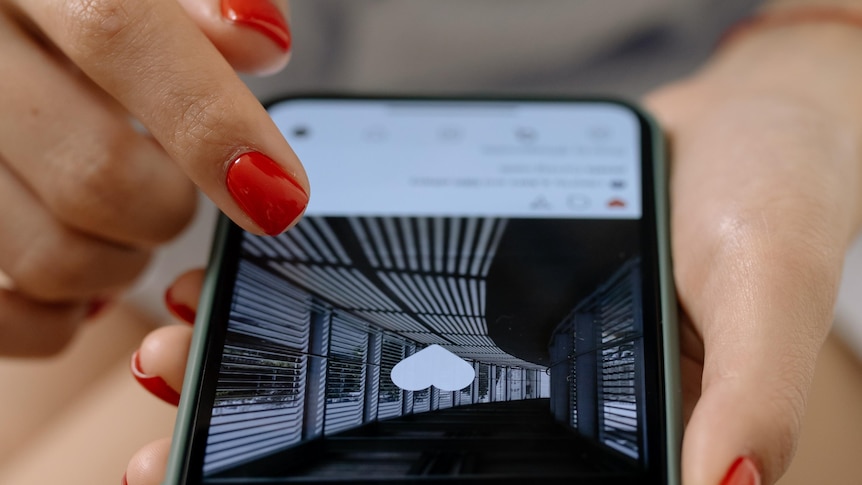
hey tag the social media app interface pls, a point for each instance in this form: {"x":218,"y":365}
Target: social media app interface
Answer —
{"x":497,"y":159}
{"x":462,"y":299}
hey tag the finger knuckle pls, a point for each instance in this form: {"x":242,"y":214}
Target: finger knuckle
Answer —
{"x":204,"y":118}
{"x":94,"y":187}
{"x":172,"y":214}
{"x":185,"y":210}
{"x":160,"y":219}
{"x":67,"y":266}
{"x":39,"y":273}
{"x":108,"y":184}
{"x":96,"y":27}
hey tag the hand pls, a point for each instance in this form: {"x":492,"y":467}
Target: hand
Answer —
{"x":87,"y":195}
{"x":762,"y":213}
{"x":765,"y":194}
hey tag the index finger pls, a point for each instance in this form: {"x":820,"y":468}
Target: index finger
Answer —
{"x":151,"y":57}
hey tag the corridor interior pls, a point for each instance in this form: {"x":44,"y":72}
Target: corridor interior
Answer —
{"x":322,"y":314}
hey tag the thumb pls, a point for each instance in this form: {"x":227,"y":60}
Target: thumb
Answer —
{"x":759,"y":229}
{"x":763,"y":320}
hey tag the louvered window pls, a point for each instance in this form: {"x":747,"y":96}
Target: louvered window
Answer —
{"x":421,"y":401}
{"x":390,"y":397}
{"x":484,"y":383}
{"x":516,"y":384}
{"x":446,"y":399}
{"x":500,"y":389}
{"x":466,"y":396}
{"x":620,"y":337}
{"x":345,"y":376}
{"x":260,"y":392}
{"x":596,"y":353}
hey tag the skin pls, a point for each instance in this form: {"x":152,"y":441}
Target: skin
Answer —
{"x":81,"y":176}
{"x":766,"y":179}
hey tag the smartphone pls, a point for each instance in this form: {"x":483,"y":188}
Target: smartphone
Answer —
{"x":479,"y":292}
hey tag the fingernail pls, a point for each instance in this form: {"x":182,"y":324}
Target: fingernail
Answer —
{"x":178,"y":308}
{"x":261,"y":15}
{"x":156,"y":385}
{"x":271,"y":197}
{"x":742,"y":472}
{"x":96,"y":307}
{"x":124,"y":482}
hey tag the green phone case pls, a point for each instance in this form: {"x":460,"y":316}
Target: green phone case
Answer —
{"x":670,"y":324}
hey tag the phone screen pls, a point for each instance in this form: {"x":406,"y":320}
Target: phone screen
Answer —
{"x":473,"y":294}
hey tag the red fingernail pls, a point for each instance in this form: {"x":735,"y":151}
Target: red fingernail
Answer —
{"x":96,"y":307}
{"x":179,"y":309}
{"x":155,"y":384}
{"x":271,"y":197}
{"x":261,"y":15}
{"x":124,"y":482}
{"x":742,"y":472}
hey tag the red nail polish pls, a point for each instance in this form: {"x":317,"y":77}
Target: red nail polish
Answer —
{"x":178,"y":309}
{"x":271,"y":197}
{"x":742,"y":472}
{"x":124,"y":482}
{"x":155,"y":384}
{"x":95,"y":308}
{"x":261,"y":15}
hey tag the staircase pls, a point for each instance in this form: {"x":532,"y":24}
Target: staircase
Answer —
{"x":499,"y":443}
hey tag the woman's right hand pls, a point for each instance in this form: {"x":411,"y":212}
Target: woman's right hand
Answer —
{"x":87,"y":193}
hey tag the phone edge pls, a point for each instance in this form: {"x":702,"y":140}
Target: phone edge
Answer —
{"x":670,"y":324}
{"x":183,"y":427}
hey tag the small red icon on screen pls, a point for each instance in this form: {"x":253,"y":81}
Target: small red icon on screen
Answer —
{"x":616,"y":203}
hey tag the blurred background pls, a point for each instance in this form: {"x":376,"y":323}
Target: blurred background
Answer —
{"x":77,"y":418}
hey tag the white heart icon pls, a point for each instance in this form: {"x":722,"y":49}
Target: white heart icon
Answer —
{"x":433,"y":366}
